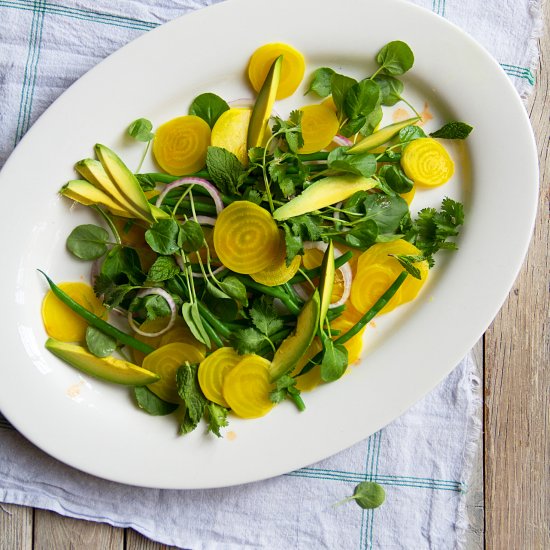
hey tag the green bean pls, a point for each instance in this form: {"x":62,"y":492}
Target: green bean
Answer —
{"x":97,"y":322}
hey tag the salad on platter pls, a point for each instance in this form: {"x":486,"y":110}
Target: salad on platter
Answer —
{"x":245,"y":271}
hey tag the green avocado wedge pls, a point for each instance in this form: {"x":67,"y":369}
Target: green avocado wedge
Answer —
{"x":380,"y":137}
{"x":110,"y":369}
{"x":322,"y":193}
{"x":257,"y":127}
{"x":84,"y":192}
{"x":294,"y":346}
{"x":326,"y":282}
{"x":125,"y":181}
{"x":92,"y":170}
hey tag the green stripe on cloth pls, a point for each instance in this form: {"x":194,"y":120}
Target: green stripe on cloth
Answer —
{"x":85,"y":15}
{"x":31,"y":65}
{"x":438,"y":6}
{"x":519,"y":72}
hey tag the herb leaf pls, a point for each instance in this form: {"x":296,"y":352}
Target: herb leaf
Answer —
{"x":225,"y":170}
{"x":152,"y":403}
{"x":321,"y":82}
{"x":163,"y":268}
{"x":209,"y":107}
{"x":453,"y":130}
{"x":395,"y":58}
{"x":99,"y":343}
{"x":140,"y":130}
{"x":88,"y":241}
{"x":162,"y":236}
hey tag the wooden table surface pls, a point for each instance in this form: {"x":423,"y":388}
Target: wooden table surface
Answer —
{"x":515,"y":452}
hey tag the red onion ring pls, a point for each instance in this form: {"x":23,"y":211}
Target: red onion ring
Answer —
{"x":342,"y":141}
{"x":169,"y":300}
{"x":201,"y":182}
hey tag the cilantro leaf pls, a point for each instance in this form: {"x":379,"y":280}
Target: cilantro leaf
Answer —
{"x":264,"y":317}
{"x":247,"y":340}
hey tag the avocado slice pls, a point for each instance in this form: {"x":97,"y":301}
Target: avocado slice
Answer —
{"x":323,"y":192}
{"x":294,"y":346}
{"x":85,"y":193}
{"x":111,"y":369}
{"x":93,"y":171}
{"x":257,"y":127}
{"x":326,"y":282}
{"x":125,"y":181}
{"x":380,"y":137}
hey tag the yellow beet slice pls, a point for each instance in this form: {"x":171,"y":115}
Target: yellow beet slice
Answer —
{"x":292,"y":70}
{"x":61,"y":322}
{"x":246,"y":238}
{"x":165,"y":362}
{"x":376,"y":271}
{"x":278,"y":273}
{"x":427,"y":162}
{"x":319,"y":126}
{"x":180,"y":145}
{"x":247,"y":386}
{"x":212,"y":372}
{"x":230,"y":132}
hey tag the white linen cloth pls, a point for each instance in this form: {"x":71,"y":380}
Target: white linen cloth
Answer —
{"x":423,"y":459}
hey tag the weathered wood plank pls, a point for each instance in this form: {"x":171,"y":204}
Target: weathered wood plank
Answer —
{"x":136,"y":541}
{"x":52,"y":531}
{"x":517,"y":375}
{"x":15,"y":527}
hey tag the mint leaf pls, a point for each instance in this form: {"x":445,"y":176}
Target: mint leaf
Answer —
{"x":191,"y":394}
{"x":163,"y":268}
{"x":216,"y":416}
{"x":225,"y":170}
{"x":453,"y":130}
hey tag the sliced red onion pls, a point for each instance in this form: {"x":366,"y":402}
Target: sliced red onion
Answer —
{"x":342,"y":141}
{"x":201,"y":182}
{"x":205,"y":220}
{"x":169,"y":300}
{"x":336,"y":213}
{"x":345,"y":270}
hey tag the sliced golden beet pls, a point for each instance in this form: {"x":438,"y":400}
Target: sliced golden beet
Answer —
{"x":247,"y":386}
{"x":180,"y":145}
{"x":292,"y":69}
{"x":427,"y":162}
{"x":165,"y":362}
{"x":246,"y":237}
{"x":212,"y":372}
{"x":231,"y":131}
{"x":60,"y":321}
{"x":319,"y":126}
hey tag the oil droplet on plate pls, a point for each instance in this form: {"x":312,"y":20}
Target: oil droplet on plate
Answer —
{"x":231,"y":436}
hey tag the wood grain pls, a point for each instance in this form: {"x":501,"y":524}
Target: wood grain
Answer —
{"x":517,"y":375}
{"x":136,"y":541}
{"x":15,"y":527}
{"x":52,"y":531}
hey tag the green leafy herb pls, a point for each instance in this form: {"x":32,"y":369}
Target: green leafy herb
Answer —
{"x":397,"y":180}
{"x":391,"y":89}
{"x":190,"y":236}
{"x":209,"y":107}
{"x":362,"y":164}
{"x":407,"y":261}
{"x":152,"y":403}
{"x":225,"y":169}
{"x":395,"y":58}
{"x":99,"y":343}
{"x":335,"y":360}
{"x":265,"y":317}
{"x":216,"y":417}
{"x":122,"y":265}
{"x":191,"y":394}
{"x":140,"y":130}
{"x":162,"y":236}
{"x":285,"y":387}
{"x":368,"y":495}
{"x":453,"y":130}
{"x":163,"y":268}
{"x":88,"y":241}
{"x":321,"y":82}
